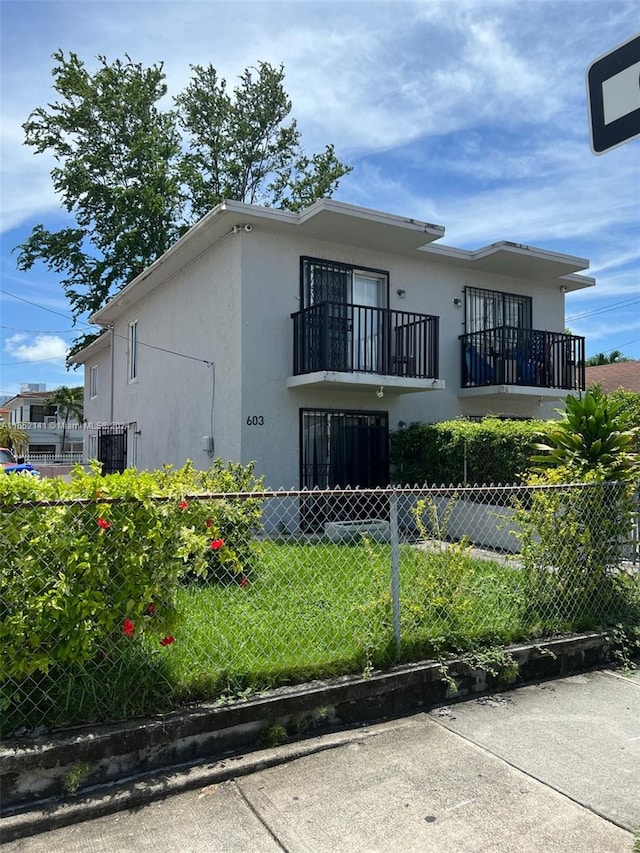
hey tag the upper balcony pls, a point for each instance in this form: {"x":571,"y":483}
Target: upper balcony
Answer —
{"x":337,"y":344}
{"x":521,"y":362}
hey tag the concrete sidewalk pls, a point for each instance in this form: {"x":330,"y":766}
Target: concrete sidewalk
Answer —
{"x":547,"y":767}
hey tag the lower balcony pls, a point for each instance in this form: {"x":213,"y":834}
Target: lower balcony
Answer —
{"x":361,"y":347}
{"x":521,"y":362}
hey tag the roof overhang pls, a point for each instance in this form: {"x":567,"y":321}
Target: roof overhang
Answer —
{"x":349,"y":225}
{"x":91,"y":349}
{"x":515,"y":260}
{"x":326,"y":220}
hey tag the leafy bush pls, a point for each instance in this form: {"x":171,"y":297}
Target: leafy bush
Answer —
{"x":590,"y":435}
{"x":572,"y":549}
{"x":459,"y":451}
{"x":92,"y":566}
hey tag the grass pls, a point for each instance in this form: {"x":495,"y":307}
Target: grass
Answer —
{"x":308,"y":611}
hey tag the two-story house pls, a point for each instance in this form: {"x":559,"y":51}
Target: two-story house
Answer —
{"x":50,"y":438}
{"x":299,"y":340}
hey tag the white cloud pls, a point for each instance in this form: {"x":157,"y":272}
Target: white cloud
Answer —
{"x":38,"y":348}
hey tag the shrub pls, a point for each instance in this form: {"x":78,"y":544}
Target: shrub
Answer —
{"x":92,"y":566}
{"x":460,"y":451}
{"x":572,"y":548}
{"x":590,"y":435}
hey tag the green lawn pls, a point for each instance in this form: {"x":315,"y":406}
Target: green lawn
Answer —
{"x":307,"y":611}
{"x":320,"y":610}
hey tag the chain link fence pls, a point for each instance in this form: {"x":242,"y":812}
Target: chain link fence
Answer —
{"x":116,"y":608}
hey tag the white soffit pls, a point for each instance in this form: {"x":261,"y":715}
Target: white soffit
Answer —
{"x":511,"y":259}
{"x":91,"y":349}
{"x":337,"y":222}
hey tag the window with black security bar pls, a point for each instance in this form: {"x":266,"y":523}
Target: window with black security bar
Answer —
{"x":500,"y":346}
{"x":488,"y":309}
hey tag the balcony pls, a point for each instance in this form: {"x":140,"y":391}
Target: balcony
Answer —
{"x":521,"y":362}
{"x":337,"y":345}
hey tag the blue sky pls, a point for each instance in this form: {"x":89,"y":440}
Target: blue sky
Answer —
{"x":470,"y":114}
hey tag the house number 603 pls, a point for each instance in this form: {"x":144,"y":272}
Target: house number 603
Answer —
{"x":255,"y":420}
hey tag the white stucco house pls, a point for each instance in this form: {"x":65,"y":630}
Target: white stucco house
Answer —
{"x":300,"y":340}
{"x":50,"y":438}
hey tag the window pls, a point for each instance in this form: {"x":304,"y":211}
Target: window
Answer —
{"x":132,"y":362}
{"x":92,"y":449}
{"x":93,"y":381}
{"x":36,"y":415}
{"x":325,"y":281}
{"x":492,"y":309}
{"x":343,"y":304}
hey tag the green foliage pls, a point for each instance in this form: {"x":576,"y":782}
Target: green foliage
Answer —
{"x":614,"y":357}
{"x":75,"y":777}
{"x":92,"y":566}
{"x":13,"y":438}
{"x":572,"y":547}
{"x":589,"y":435}
{"x":490,"y":451}
{"x":116,"y":173}
{"x":239,"y":146}
{"x":628,"y":406}
{"x":136,"y":176}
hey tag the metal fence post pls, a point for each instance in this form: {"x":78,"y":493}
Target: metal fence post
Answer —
{"x":395,"y":569}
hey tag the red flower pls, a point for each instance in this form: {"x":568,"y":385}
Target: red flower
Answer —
{"x":244,"y":581}
{"x":217,"y":544}
{"x":128,"y":627}
{"x":151,"y":609}
{"x":167,"y":641}
{"x":183,"y":505}
{"x":103,"y":524}
{"x":208,"y":522}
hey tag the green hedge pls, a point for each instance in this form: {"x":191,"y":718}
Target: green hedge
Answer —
{"x":467,"y":452}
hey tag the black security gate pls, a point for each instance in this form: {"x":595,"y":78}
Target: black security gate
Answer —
{"x":341,"y":449}
{"x":112,"y":449}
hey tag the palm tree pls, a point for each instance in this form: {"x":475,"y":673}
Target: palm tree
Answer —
{"x":13,"y":438}
{"x":69,"y":403}
{"x":614,"y":357}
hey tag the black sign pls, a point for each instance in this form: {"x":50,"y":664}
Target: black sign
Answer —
{"x":613,"y":88}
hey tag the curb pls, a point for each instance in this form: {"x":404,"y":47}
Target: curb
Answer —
{"x":127,"y":765}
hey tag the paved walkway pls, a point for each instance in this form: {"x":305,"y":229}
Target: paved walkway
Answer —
{"x":548,"y":767}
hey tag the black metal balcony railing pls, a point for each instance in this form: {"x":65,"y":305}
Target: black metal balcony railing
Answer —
{"x":357,"y":338}
{"x":510,"y":356}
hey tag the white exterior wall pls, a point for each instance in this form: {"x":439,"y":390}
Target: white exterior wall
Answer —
{"x":169,"y":402}
{"x":270,"y":294}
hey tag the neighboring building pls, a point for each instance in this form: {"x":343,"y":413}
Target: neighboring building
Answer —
{"x":622,"y":374}
{"x":30,"y":411}
{"x":300,"y":340}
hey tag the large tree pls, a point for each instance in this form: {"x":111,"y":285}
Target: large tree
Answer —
{"x":135,"y":174}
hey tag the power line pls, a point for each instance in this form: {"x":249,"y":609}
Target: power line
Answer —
{"x":632,"y":300}
{"x":42,"y":307}
{"x":39,"y":331}
{"x":122,"y":337}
